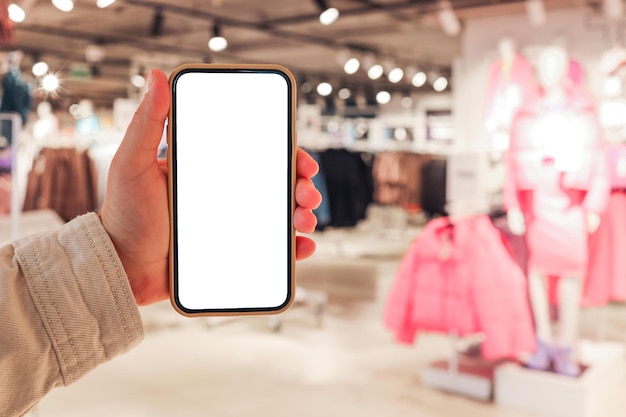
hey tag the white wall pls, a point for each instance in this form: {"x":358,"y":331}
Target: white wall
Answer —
{"x":585,"y":42}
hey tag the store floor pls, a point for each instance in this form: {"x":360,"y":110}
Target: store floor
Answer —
{"x":348,"y":366}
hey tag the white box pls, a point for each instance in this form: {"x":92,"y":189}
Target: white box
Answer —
{"x":472,"y":377}
{"x":550,"y":395}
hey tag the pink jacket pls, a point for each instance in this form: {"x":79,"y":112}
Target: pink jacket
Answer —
{"x":471,"y":286}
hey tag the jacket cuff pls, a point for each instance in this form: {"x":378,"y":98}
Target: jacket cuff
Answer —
{"x":82,"y":294}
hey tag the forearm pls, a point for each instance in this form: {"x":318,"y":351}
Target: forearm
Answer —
{"x":66,"y":307}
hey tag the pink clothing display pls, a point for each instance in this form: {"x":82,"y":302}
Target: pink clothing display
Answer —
{"x":606,"y":274}
{"x":459,"y":278}
{"x":556,"y":174}
{"x":509,"y":85}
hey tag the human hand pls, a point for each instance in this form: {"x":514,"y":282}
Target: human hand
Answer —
{"x":135,"y":212}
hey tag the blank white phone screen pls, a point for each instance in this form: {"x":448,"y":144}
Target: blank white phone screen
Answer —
{"x":232,"y":147}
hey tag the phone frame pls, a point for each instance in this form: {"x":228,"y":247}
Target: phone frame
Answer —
{"x":172,"y":190}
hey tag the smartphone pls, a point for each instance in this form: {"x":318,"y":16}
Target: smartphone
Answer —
{"x":231,"y":158}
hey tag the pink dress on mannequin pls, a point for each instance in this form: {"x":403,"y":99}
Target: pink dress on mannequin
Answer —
{"x":556,"y":174}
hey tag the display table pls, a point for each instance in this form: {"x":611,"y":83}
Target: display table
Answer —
{"x":550,"y":395}
{"x":31,"y":222}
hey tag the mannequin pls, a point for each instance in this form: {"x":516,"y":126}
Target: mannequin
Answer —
{"x":556,"y":187}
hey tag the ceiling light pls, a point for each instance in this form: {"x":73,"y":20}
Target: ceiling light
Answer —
{"x":419,"y":79}
{"x":104,"y":3}
{"x":94,"y":52}
{"x":306,"y":87}
{"x":344,"y":93}
{"x":217,"y":43}
{"x":375,"y":71}
{"x":63,"y":5}
{"x":383,"y":97}
{"x":324,"y":89}
{"x":440,"y":84}
{"x":16,"y":13}
{"x":396,"y":75}
{"x":352,"y":65}
{"x":50,"y":83}
{"x":407,"y":102}
{"x":138,"y":80}
{"x":536,"y":11}
{"x":448,"y":20}
{"x":40,"y":69}
{"x":328,"y":15}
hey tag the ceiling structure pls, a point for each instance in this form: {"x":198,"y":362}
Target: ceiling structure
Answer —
{"x":165,"y":33}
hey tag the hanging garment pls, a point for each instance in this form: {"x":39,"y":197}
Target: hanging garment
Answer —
{"x":509,"y":85}
{"x":350,"y":186}
{"x":606,"y":273}
{"x":64,"y":180}
{"x":398,"y":178}
{"x":433,"y":188}
{"x":556,"y":173}
{"x":322,"y":213}
{"x":16,"y":97}
{"x":458,"y":278}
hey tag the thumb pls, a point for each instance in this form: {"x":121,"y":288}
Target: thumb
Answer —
{"x":145,"y":131}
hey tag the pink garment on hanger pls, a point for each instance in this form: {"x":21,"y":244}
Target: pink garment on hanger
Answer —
{"x":556,"y":174}
{"x":471,"y":286}
{"x":606,"y":275}
{"x":507,"y":89}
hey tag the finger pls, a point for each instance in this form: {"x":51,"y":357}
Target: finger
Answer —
{"x":304,"y":220}
{"x":145,"y":131}
{"x":307,"y":196}
{"x":163,"y":165}
{"x":305,"y":164}
{"x":305,"y":247}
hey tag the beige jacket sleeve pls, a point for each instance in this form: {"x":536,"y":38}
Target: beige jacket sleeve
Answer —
{"x":65,"y":307}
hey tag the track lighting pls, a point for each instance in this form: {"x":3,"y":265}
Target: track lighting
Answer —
{"x":448,"y":19}
{"x":324,"y":89}
{"x":440,"y":84}
{"x":328,"y":15}
{"x":396,"y":75}
{"x":352,"y":66}
{"x":94,"y":52}
{"x":419,"y":79}
{"x":50,"y":83}
{"x":40,"y":68}
{"x":383,"y":97}
{"x":344,"y":93}
{"x":375,"y":72}
{"x":16,"y":13}
{"x":217,"y":43}
{"x":104,"y":3}
{"x":138,"y":80}
{"x":63,"y":5}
